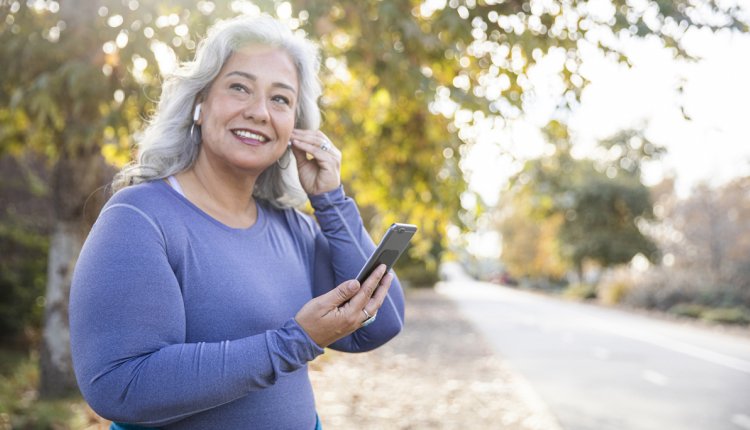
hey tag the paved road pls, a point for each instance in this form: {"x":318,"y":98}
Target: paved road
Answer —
{"x":602,"y":369}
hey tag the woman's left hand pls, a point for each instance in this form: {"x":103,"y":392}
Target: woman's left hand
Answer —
{"x":321,"y":173}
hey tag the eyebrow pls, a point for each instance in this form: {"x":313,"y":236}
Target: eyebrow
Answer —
{"x":252,"y":77}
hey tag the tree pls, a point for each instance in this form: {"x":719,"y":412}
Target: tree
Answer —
{"x":592,"y":208}
{"x":399,"y":157}
{"x":601,"y":224}
{"x":403,"y":79}
{"x":66,"y":70}
{"x":705,"y":239}
{"x":602,"y":219}
{"x":531,"y":248}
{"x":708,"y":233}
{"x":47,"y":105}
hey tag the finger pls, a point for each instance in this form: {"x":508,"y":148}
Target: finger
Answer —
{"x":377,"y":299}
{"x":316,"y":149}
{"x":316,"y":139}
{"x":310,"y":136}
{"x":368,"y":288}
{"x":300,"y":155}
{"x":341,"y":294}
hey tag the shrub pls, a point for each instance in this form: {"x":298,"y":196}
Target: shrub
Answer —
{"x":22,"y":280}
{"x":614,"y":293}
{"x":735,"y":315}
{"x":580,"y":292}
{"x":691,"y":310}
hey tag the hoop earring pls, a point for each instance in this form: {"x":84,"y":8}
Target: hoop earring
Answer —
{"x":286,"y":154}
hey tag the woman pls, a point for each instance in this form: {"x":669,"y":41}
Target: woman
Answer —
{"x":200,"y":294}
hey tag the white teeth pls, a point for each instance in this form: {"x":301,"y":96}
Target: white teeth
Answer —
{"x":249,"y":135}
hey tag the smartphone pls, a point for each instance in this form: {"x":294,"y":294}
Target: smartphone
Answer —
{"x":390,"y":248}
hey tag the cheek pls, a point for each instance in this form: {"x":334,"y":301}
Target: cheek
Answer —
{"x":289,"y":123}
{"x":284,"y":128}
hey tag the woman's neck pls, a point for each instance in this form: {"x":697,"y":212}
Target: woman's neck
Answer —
{"x":221,"y":193}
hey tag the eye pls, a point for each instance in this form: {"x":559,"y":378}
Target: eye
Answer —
{"x":239,"y":87}
{"x":282,"y":99}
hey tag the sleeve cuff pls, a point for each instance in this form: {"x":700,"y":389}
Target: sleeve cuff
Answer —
{"x":327,"y":200}
{"x":291,"y":348}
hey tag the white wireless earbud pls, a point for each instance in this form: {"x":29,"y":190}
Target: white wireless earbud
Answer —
{"x":197,"y":113}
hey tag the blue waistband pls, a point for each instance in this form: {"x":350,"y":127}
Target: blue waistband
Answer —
{"x":121,"y":426}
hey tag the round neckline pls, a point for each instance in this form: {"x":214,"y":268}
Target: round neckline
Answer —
{"x":257,"y":225}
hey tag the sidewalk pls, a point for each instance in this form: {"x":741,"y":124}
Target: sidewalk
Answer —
{"x":437,"y":374}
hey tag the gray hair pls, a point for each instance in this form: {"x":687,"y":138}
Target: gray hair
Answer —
{"x":168,"y":146}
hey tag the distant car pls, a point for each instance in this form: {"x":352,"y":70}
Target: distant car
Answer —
{"x":503,"y":278}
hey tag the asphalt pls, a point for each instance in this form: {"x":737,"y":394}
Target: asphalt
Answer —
{"x":439,"y":373}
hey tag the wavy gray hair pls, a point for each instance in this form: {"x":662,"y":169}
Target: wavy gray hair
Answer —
{"x":168,"y":147}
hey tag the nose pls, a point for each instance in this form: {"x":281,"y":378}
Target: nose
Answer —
{"x":257,"y":110}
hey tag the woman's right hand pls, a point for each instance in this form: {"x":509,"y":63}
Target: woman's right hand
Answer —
{"x":341,"y":311}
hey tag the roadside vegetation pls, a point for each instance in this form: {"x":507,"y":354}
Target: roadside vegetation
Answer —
{"x":591,"y":230}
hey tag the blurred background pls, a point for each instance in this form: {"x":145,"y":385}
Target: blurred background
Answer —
{"x":588,"y":150}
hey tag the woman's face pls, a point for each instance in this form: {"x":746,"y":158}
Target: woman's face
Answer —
{"x":248,"y":114}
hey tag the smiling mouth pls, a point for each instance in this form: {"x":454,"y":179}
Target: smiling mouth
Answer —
{"x":247,"y":134}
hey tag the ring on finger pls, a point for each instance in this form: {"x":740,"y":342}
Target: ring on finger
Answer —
{"x":369,"y":319}
{"x":326,"y":146}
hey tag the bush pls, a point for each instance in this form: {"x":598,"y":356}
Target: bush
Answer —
{"x":580,"y":292}
{"x":614,"y":293}
{"x":690,"y":310}
{"x":20,"y":407}
{"x":691,"y":294}
{"x":25,"y":219}
{"x":417,"y":276}
{"x":662,"y":290}
{"x":23,"y":274}
{"x":419,"y":273}
{"x":736,"y":315}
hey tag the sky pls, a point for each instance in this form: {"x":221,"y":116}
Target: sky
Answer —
{"x":713,"y":146}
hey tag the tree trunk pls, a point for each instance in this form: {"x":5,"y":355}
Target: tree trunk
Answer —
{"x":77,"y":175}
{"x":57,"y":378}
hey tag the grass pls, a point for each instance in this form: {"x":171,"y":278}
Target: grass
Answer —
{"x":21,"y":408}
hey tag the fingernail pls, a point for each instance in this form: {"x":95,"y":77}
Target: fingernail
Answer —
{"x":353,"y":285}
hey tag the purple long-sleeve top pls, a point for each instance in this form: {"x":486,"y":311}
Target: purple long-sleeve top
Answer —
{"x":179,"y":321}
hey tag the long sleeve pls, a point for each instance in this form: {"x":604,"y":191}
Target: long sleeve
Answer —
{"x":342,"y":247}
{"x":128,"y":332}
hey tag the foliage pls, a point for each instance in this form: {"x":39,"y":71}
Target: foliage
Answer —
{"x":705,"y":239}
{"x":580,"y":291}
{"x":601,"y":224}
{"x":24,"y":226}
{"x":22,"y":280}
{"x":734,"y":315}
{"x":84,"y":78}
{"x":530,"y":244}
{"x":588,"y":209}
{"x":614,"y":293}
{"x":401,"y":162}
{"x":20,"y":407}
